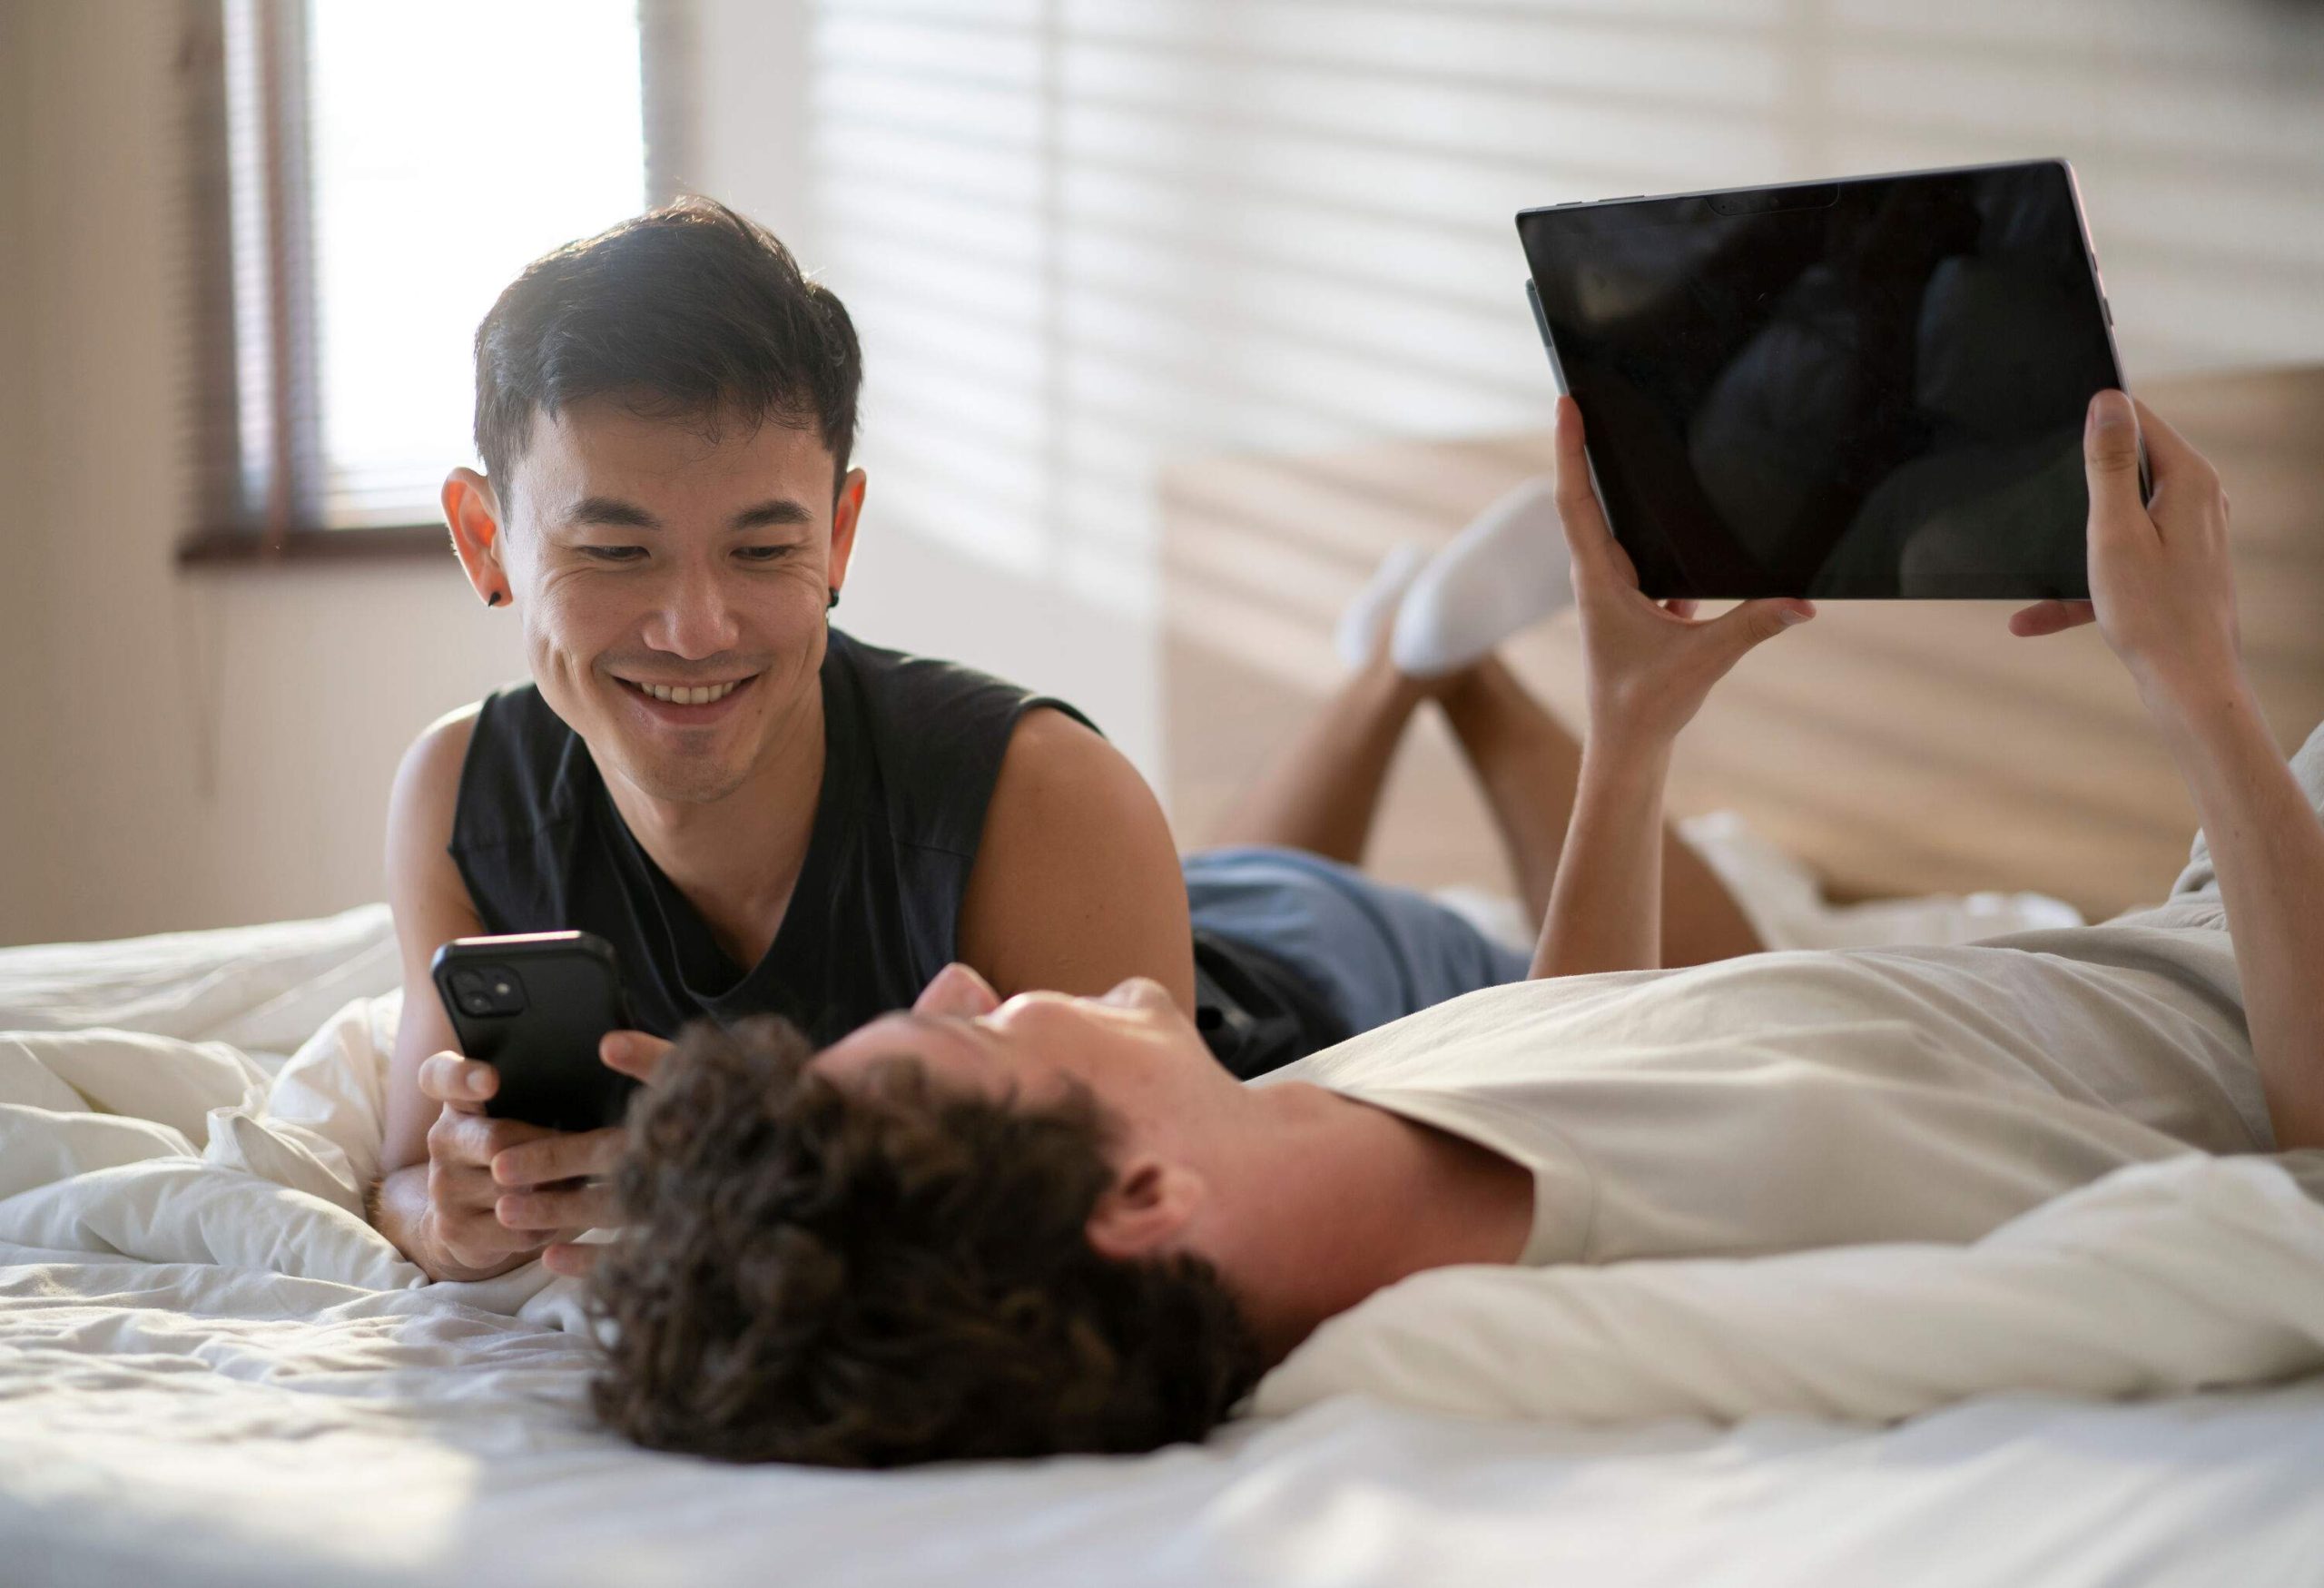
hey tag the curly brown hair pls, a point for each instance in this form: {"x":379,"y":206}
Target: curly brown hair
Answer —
{"x":888,"y":1272}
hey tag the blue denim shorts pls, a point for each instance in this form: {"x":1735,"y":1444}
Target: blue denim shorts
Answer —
{"x":1373,"y":951}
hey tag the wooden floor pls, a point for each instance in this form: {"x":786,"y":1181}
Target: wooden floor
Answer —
{"x":1901,"y":747}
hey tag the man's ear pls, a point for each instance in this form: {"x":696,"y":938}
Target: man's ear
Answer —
{"x":1145,"y":1211}
{"x":845,"y":510}
{"x":472,"y":512}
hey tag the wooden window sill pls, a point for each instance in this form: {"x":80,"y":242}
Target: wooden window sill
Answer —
{"x":400,"y":543}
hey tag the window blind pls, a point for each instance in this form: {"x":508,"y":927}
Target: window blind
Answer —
{"x":366,"y":179}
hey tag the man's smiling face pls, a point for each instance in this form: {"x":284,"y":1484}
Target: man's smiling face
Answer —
{"x":671,"y":576}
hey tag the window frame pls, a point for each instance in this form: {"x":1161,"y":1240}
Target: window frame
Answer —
{"x":227,"y":526}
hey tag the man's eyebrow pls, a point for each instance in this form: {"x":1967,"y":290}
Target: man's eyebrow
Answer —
{"x":781,"y":510}
{"x":612,"y":512}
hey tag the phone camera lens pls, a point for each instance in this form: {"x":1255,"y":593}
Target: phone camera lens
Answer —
{"x":487,"y":990}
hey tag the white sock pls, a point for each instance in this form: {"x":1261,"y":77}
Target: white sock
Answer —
{"x":1366,"y":618}
{"x":1504,"y":573}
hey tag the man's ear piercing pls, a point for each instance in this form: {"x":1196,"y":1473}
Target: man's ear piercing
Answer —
{"x":832,"y":602}
{"x":495,"y":598}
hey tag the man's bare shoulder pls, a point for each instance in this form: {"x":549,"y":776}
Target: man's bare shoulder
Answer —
{"x":428,"y":779}
{"x":1057,"y":761}
{"x":1077,"y":884}
{"x":420,"y":807}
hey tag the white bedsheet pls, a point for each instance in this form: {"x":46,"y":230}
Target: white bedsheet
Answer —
{"x":211,"y":1370}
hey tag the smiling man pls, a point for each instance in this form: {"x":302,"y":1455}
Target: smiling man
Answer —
{"x":760,"y":814}
{"x":763,"y":816}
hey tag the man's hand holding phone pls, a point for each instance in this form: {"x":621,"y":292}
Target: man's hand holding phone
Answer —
{"x":502,"y":1191}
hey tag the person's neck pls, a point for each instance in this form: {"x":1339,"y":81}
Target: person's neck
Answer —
{"x":738,"y":858}
{"x":1347,"y":1199}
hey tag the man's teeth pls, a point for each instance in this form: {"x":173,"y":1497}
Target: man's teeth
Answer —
{"x":697,"y":695}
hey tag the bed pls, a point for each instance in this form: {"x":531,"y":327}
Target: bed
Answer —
{"x":212,"y":1371}
{"x":229,"y":1417}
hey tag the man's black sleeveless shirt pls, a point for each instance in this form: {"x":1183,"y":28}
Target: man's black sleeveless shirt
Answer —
{"x":912,"y":747}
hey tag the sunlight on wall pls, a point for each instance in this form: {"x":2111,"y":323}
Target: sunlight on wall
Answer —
{"x":1082,"y":236}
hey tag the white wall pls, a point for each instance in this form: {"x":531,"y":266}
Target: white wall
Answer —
{"x":1081,"y":236}
{"x":1085,"y":235}
{"x":22,"y":552}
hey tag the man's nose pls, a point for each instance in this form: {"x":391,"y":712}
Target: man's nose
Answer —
{"x":956,"y":989}
{"x":695,"y":620}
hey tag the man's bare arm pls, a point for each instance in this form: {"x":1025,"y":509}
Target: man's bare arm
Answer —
{"x":2268,"y":848}
{"x":2163,"y":594}
{"x":431,"y":906}
{"x":1650,"y":667}
{"x":1605,"y":909}
{"x":1077,"y":885}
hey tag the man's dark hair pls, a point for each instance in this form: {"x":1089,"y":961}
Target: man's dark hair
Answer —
{"x":888,"y":1272}
{"x":689,"y":311}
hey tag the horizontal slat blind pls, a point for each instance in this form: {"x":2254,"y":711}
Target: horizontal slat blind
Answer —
{"x":1083,"y":236}
{"x":370,"y":196}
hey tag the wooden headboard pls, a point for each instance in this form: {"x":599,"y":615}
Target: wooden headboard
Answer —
{"x":1899,"y":747}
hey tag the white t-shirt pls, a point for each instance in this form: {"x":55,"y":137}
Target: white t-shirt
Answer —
{"x":1786,"y":1101}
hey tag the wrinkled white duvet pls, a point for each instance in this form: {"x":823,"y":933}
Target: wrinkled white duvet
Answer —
{"x":2179,"y":1276}
{"x":208,"y":1360}
{"x":120,"y":1144}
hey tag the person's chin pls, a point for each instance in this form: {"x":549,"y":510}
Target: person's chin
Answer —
{"x":681,"y":780}
{"x":684,"y":764}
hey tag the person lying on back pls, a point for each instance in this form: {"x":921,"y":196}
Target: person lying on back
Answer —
{"x":1012,"y":1226}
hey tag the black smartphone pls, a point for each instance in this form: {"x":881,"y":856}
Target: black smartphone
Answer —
{"x":534,"y":1006}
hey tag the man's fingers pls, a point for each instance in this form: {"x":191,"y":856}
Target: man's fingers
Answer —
{"x":2168,"y":453}
{"x":464,"y":1083}
{"x":638,"y":1054}
{"x":1757,"y":622}
{"x":544,"y":1211}
{"x":2050,"y":617}
{"x":574,"y":1259}
{"x":1587,"y":536}
{"x":2110,"y":453}
{"x":558,"y":1156}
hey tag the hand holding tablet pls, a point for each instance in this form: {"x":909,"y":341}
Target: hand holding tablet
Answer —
{"x":1650,"y":665}
{"x":2162,"y":587}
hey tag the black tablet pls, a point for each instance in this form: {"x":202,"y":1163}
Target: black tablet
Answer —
{"x":1866,"y":388}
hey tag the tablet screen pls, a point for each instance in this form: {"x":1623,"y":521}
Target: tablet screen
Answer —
{"x":1870,"y":388}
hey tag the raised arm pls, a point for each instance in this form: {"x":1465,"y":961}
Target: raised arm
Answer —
{"x":1650,"y":665}
{"x":2163,"y":596}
